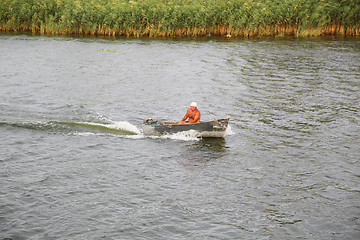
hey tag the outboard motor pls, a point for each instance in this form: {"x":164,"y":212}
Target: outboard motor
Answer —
{"x":149,"y":121}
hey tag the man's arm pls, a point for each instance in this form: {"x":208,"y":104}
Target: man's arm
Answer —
{"x":186,"y":116}
{"x":197,"y":117}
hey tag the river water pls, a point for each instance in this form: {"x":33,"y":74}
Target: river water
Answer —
{"x":75,"y":165}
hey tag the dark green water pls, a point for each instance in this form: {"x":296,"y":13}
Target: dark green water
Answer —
{"x":74,"y":164}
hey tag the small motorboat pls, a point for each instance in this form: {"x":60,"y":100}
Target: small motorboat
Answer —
{"x":216,"y":128}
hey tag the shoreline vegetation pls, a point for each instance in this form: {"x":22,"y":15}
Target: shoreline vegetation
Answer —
{"x":182,"y":18}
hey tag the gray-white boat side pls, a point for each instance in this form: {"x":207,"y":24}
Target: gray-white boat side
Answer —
{"x":215,"y":128}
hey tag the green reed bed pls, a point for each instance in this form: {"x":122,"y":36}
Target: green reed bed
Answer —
{"x":182,"y":17}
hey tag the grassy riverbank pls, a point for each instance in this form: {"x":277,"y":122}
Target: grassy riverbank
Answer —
{"x":171,"y":18}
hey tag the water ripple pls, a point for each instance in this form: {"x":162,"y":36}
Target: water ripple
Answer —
{"x":289,"y":167}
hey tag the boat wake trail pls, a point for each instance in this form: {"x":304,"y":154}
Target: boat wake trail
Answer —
{"x":72,"y":127}
{"x":124,"y":128}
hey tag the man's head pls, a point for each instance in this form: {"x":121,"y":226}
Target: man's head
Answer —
{"x":193,"y":105}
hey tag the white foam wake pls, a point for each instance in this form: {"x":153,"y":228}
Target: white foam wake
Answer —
{"x":229,"y":131}
{"x":121,"y":125}
{"x":124,"y":126}
{"x":190,"y":135}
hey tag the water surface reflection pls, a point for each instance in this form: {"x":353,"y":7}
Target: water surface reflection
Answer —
{"x":198,"y":155}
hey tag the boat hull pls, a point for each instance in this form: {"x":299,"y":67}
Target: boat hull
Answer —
{"x":216,"y":128}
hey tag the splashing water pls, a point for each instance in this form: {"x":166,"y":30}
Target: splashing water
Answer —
{"x":117,"y":127}
{"x":190,"y":135}
{"x":229,"y":131}
{"x":121,"y":125}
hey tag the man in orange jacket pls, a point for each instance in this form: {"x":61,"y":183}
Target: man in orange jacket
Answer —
{"x":192,"y":113}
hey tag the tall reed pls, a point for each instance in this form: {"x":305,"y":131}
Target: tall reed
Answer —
{"x":171,"y":18}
